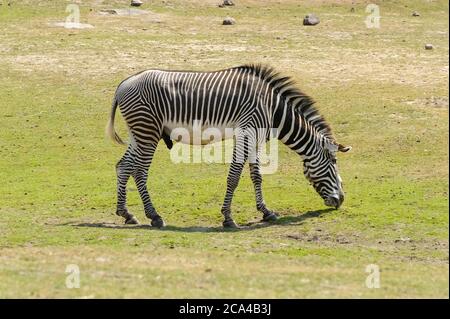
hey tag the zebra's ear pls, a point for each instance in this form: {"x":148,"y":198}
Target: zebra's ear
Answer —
{"x":342,"y":148}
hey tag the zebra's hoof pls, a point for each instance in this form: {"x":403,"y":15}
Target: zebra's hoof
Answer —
{"x":132,"y":221}
{"x":230,"y":224}
{"x":158,"y":222}
{"x":270,"y":217}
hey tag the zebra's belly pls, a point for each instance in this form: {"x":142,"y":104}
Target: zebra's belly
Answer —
{"x":197,"y":133}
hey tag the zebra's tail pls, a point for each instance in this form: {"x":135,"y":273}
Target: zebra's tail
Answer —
{"x":110,"y":131}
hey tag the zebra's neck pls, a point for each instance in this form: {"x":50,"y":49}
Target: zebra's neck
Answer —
{"x":296,"y":132}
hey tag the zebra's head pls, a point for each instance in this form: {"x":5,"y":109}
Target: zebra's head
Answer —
{"x":322,"y":172}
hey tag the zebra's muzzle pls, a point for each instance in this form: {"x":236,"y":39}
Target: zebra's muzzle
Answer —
{"x":334,"y":201}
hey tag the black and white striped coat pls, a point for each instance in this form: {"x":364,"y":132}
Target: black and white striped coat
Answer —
{"x":250,"y":99}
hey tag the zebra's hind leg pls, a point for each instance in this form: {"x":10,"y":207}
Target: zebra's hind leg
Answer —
{"x":124,"y":169}
{"x":232,"y":182}
{"x":143,"y":160}
{"x":255,"y":174}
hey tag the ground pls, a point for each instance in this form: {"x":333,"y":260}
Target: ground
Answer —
{"x":380,"y":90}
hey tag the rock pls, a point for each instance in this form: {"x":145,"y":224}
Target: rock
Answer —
{"x":72,"y":25}
{"x":136,"y":3}
{"x":226,"y":3}
{"x":228,"y":21}
{"x":403,"y":240}
{"x":415,"y":14}
{"x":124,"y":12}
{"x":108,"y":11}
{"x":429,"y":46}
{"x":311,"y":19}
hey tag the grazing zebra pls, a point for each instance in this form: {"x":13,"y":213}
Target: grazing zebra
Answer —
{"x":156,"y":102}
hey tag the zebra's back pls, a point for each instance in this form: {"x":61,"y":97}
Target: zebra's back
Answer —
{"x":191,"y":100}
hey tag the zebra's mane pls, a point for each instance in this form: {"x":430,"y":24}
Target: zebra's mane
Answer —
{"x":285,"y":85}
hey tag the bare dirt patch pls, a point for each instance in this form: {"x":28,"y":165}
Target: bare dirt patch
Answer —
{"x":438,"y":102}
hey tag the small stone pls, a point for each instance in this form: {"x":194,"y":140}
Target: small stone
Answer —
{"x":226,"y":3}
{"x":123,"y":12}
{"x":72,"y":25}
{"x":403,"y":240}
{"x":415,"y":14}
{"x":228,"y":21}
{"x":136,"y":3}
{"x":429,"y":46}
{"x":311,"y":19}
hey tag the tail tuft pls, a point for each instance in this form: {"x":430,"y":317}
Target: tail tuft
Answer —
{"x":110,"y":131}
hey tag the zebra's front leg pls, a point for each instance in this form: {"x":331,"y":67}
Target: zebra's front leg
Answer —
{"x":255,"y":174}
{"x":124,"y":169}
{"x":140,"y":174}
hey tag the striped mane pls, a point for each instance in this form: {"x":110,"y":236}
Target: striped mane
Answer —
{"x":296,"y":98}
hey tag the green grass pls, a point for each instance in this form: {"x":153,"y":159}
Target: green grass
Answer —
{"x":380,"y":90}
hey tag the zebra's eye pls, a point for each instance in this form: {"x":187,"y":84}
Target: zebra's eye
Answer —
{"x":333,"y":160}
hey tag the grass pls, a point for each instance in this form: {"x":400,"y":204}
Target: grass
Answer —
{"x":380,"y":90}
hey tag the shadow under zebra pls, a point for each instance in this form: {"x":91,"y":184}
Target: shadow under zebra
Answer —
{"x":284,"y":220}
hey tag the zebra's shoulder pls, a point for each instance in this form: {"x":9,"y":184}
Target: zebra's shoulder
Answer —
{"x":287,"y":87}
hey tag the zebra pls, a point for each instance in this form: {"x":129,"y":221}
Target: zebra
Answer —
{"x":155,"y":102}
